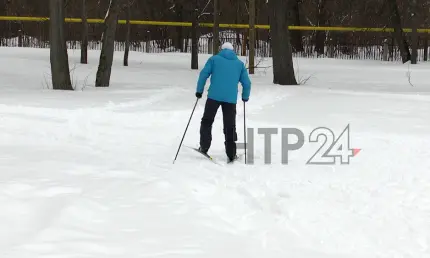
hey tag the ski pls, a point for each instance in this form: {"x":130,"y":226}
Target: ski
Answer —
{"x":204,"y":154}
{"x":209,"y":157}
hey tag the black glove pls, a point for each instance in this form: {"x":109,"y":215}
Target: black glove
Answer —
{"x":245,"y":100}
{"x":198,"y":95}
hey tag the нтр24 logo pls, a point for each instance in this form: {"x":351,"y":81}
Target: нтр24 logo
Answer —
{"x":332,"y":148}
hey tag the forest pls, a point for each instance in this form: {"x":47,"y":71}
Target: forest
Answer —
{"x":333,"y":13}
{"x":364,"y":13}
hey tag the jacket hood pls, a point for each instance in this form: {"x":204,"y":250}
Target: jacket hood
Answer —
{"x":228,"y":54}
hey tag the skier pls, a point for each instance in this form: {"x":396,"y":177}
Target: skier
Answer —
{"x":226,"y":72}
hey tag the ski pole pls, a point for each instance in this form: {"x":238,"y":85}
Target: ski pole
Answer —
{"x":244,"y":126}
{"x":192,"y":113}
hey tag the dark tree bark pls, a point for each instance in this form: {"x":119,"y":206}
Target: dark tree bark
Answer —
{"x":216,"y":27}
{"x":320,"y":36}
{"x":398,"y":30}
{"x":245,"y":38}
{"x":251,"y":36}
{"x":84,"y":42}
{"x":58,"y":48}
{"x":194,"y":37}
{"x":237,"y":21}
{"x":414,"y":43}
{"x":20,"y":31}
{"x":283,"y":68}
{"x":179,"y":39}
{"x":127,"y":39}
{"x":294,"y":19}
{"x":108,"y":43}
{"x":426,"y":39}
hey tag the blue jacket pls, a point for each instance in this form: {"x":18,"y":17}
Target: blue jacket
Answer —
{"x":226,"y":71}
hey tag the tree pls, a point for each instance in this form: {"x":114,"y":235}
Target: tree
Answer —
{"x":320,"y":36}
{"x":194,"y":37}
{"x":179,"y":37}
{"x":398,"y":30}
{"x":216,"y":27}
{"x":283,"y":69}
{"x":425,"y":37}
{"x":251,"y":36}
{"x":58,"y":48}
{"x":108,"y":43}
{"x":127,"y":39}
{"x":294,"y":19}
{"x":414,"y":43}
{"x":84,"y":43}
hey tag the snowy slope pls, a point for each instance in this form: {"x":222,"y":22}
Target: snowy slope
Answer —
{"x":89,"y":173}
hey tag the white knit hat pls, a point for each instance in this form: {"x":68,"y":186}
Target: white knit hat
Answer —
{"x":227,"y":45}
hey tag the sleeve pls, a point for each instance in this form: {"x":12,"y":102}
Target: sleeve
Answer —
{"x":246,"y":83}
{"x":204,"y":75}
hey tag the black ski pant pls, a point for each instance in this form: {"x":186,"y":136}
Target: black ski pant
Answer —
{"x":229,"y":119}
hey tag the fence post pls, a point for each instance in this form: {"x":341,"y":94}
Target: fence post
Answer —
{"x":385,"y":50}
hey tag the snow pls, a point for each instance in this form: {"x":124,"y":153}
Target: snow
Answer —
{"x":90,"y":173}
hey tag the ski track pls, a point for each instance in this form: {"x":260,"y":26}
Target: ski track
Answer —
{"x":90,"y":174}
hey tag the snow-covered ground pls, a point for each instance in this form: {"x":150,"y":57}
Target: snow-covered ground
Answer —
{"x":90,"y":173}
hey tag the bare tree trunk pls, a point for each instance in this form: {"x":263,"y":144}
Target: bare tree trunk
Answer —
{"x":283,"y":69}
{"x":194,"y":37}
{"x":127,"y":40}
{"x":426,"y":48}
{"x":426,"y":40}
{"x":216,"y":27}
{"x":251,"y":36}
{"x":294,"y":19}
{"x":179,"y":39}
{"x":414,"y":43}
{"x":245,"y":39}
{"x":58,"y":48}
{"x":320,"y":36}
{"x":237,"y":21}
{"x":108,"y":44}
{"x":20,"y":31}
{"x":84,"y":43}
{"x":398,"y":30}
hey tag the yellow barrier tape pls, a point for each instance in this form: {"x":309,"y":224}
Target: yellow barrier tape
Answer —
{"x":232,"y":26}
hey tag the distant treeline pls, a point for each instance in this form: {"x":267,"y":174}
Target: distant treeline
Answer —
{"x":357,"y":13}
